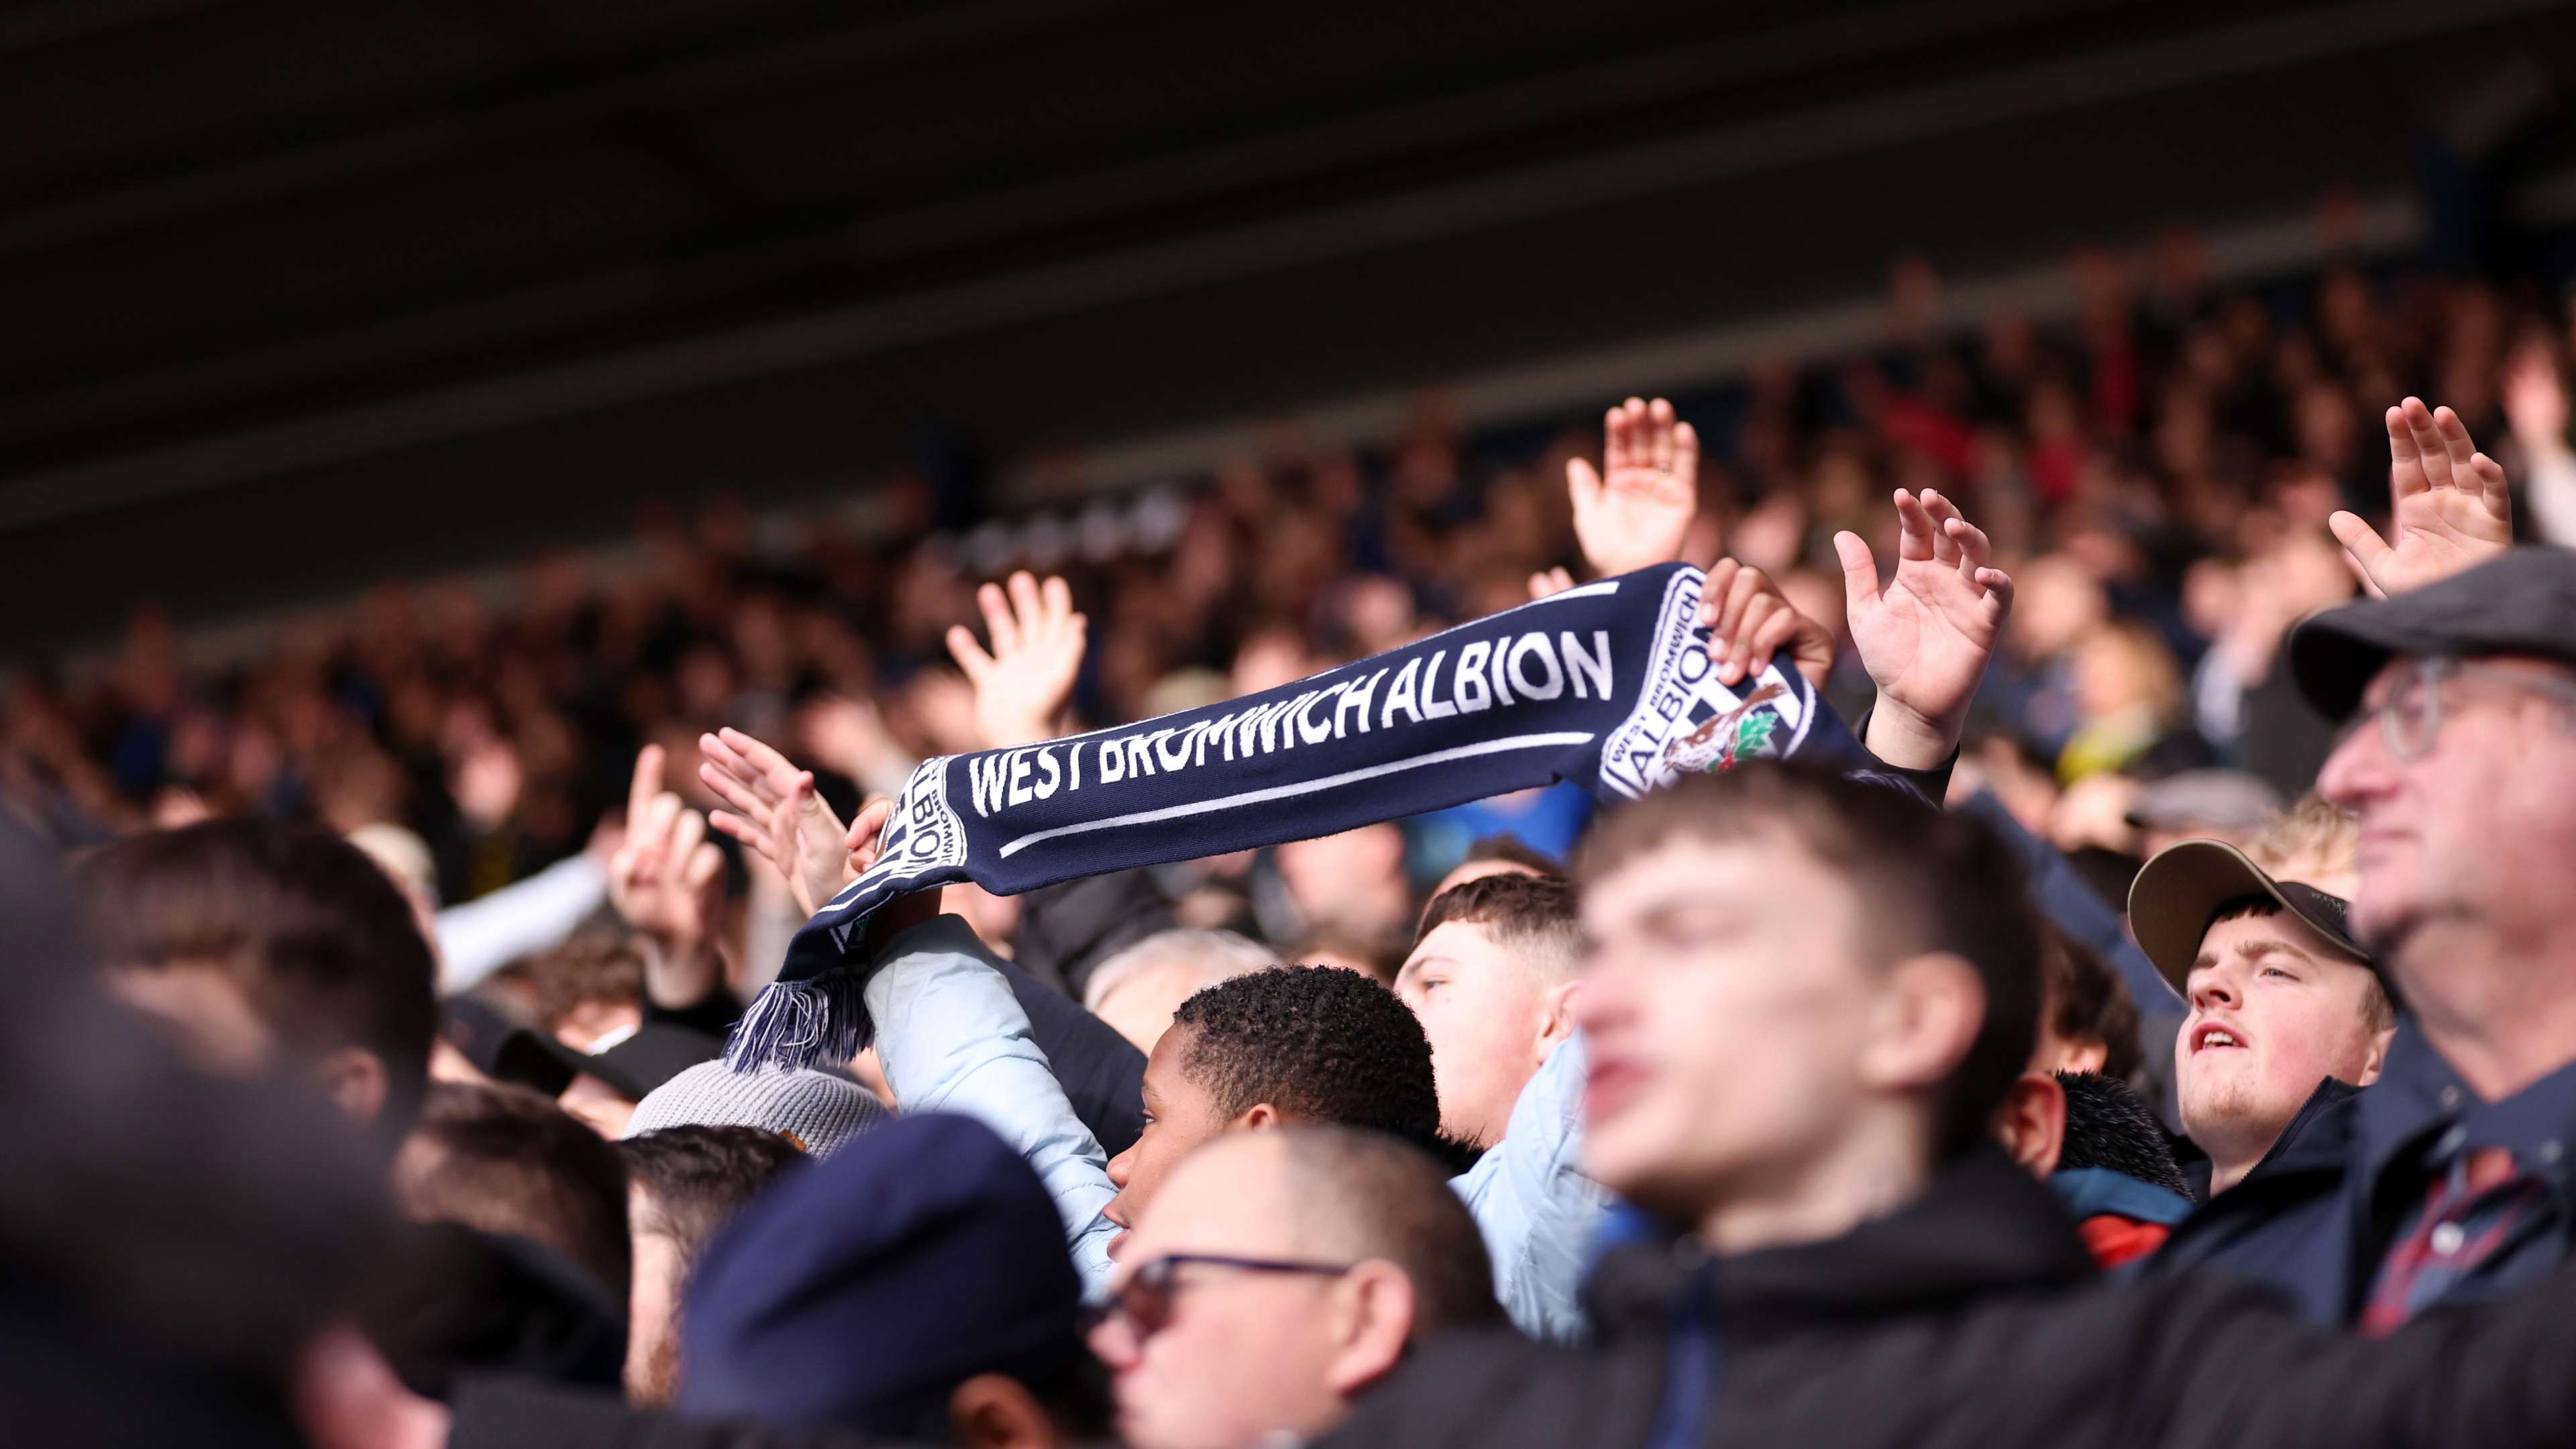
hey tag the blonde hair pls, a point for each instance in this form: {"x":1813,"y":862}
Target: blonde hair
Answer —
{"x":2314,"y":838}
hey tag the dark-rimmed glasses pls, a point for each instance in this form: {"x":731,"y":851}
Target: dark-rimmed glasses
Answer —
{"x":1145,"y":1299}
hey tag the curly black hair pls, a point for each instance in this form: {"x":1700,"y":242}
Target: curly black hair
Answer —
{"x":1320,"y":1044}
{"x":2107,"y":1126}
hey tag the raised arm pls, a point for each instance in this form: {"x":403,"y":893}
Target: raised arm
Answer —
{"x":953,"y":1038}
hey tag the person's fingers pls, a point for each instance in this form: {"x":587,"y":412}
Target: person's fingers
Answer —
{"x":1055,"y":598}
{"x":998,"y":623}
{"x":736,"y":794}
{"x":1659,"y":435}
{"x":646,"y":783}
{"x":706,"y":864}
{"x":760,"y":756}
{"x":1975,"y":549}
{"x":1860,"y":571}
{"x":2459,"y":454}
{"x":1548,"y":583}
{"x":1999,"y":587}
{"x":2430,"y":450}
{"x":1778,"y":630}
{"x":744,"y":833}
{"x":2491,"y":484}
{"x":1741,"y":590}
{"x":970,"y":655}
{"x":1914,"y":528}
{"x":1582,"y":485}
{"x":809,"y":803}
{"x":1940,"y":510}
{"x":2370,"y":553}
{"x":1686,"y":453}
{"x":870,"y":823}
{"x":1712,"y":599}
{"x":1028,"y":608}
{"x":688,"y":832}
{"x":1615,"y":439}
{"x":2405,"y":465}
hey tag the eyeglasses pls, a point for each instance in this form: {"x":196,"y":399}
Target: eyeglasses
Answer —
{"x":1145,"y":1299}
{"x":2411,"y":716}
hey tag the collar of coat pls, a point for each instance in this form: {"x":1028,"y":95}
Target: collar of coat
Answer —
{"x":1985,"y":1226}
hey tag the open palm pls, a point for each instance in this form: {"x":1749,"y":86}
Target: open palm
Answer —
{"x":778,"y":813}
{"x":1925,"y":635}
{"x":1023,"y":682}
{"x":1635,"y":511}
{"x":2448,"y":505}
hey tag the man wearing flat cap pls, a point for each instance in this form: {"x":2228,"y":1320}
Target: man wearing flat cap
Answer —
{"x":2282,"y":998}
{"x":2449,"y":1181}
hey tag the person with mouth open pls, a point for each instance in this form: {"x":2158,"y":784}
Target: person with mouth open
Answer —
{"x":2282,"y":998}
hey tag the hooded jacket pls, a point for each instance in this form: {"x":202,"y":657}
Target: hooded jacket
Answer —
{"x":1973,"y":1318}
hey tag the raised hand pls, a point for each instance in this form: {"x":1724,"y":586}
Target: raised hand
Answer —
{"x":1635,"y":511}
{"x":1021,"y":685}
{"x":1749,"y":620}
{"x":778,"y":813}
{"x":1548,"y":583}
{"x":2448,"y":505}
{"x":667,"y":880}
{"x":1926,"y":635}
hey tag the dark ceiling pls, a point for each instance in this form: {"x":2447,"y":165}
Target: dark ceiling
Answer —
{"x":303,"y":293}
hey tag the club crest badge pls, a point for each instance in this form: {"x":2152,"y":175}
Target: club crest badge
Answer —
{"x":1746,"y":732}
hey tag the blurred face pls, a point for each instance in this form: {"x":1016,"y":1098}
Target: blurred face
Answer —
{"x":1487,"y":1016}
{"x":1179,"y":1115}
{"x":1242,"y":1354}
{"x":2275,"y":1009}
{"x":1724,"y":999}
{"x":2498,"y":770}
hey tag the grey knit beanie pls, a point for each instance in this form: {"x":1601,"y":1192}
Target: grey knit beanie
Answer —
{"x":818,"y":1109}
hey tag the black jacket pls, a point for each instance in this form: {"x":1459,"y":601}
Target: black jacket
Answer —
{"x":2316,"y":1216}
{"x":1972,"y":1318}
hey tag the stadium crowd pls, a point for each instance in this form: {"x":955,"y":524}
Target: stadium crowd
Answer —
{"x":2150,"y":1027}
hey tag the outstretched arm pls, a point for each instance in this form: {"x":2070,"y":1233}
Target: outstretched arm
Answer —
{"x":953,"y":1038}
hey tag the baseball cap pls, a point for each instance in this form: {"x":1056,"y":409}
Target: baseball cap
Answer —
{"x":2177,"y":891}
{"x":2521,"y":603}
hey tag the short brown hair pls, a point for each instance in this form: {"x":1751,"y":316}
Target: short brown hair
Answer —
{"x":594,"y":969}
{"x":2087,"y":1001}
{"x":506,"y":1160}
{"x":1928,"y":881}
{"x":1530,"y":916}
{"x":321,"y":942}
{"x":1381,"y":1198}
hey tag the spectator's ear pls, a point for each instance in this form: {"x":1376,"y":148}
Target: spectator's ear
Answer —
{"x":1260,"y":1117}
{"x":993,"y":1411}
{"x":355,"y":1078}
{"x":2031,"y":1124}
{"x":1923,"y":1024}
{"x":1556,"y":1016}
{"x":1373,"y":1308}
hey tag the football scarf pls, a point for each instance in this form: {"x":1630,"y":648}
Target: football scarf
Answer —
{"x":1608,"y":685}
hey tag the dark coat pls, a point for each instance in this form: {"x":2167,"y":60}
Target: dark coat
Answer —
{"x":1972,"y":1318}
{"x":2315,"y":1216}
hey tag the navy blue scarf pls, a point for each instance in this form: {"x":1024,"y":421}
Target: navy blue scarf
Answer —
{"x":1608,"y":685}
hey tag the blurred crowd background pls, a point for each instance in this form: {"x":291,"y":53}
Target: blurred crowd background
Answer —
{"x":2156,"y":474}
